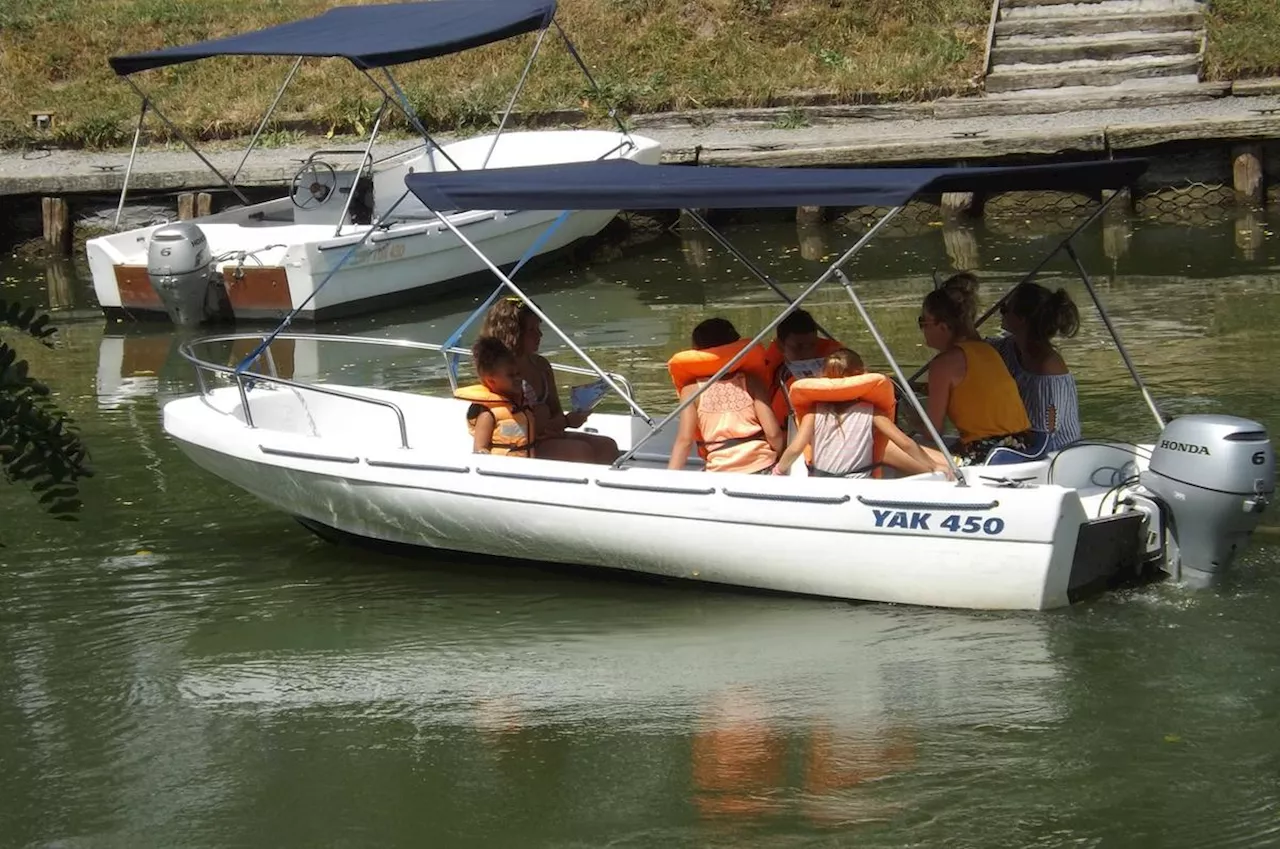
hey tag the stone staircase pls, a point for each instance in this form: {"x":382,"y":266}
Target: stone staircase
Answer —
{"x":1092,"y":47}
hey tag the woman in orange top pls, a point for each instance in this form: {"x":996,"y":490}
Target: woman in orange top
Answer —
{"x":731,"y":421}
{"x":968,"y":380}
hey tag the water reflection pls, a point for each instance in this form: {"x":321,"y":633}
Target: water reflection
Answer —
{"x":184,"y":665}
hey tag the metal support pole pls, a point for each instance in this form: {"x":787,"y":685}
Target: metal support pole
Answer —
{"x":267,"y":117}
{"x":366,"y":161}
{"x":915,"y":402}
{"x":755,"y":270}
{"x":1029,"y":276}
{"x":573,"y":51}
{"x":542,"y":33}
{"x":636,"y":408}
{"x":768,"y":328}
{"x":402,"y":103}
{"x":288,"y":319}
{"x":1106,"y":319}
{"x":133,"y":153}
{"x":183,"y":138}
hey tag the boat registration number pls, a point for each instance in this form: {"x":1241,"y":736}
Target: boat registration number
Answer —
{"x":915,"y":520}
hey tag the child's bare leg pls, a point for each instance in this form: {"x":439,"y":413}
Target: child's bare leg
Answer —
{"x":896,"y":458}
{"x":564,"y":448}
{"x":603,"y":449}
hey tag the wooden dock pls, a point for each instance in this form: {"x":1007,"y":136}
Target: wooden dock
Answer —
{"x":1240,"y":134}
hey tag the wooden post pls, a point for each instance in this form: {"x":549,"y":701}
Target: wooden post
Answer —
{"x":810,"y":215}
{"x":1250,"y":233}
{"x":204,"y":204}
{"x":813,"y":241}
{"x":186,"y":206}
{"x":962,"y":246}
{"x":1246,"y":173}
{"x":57,"y":273}
{"x":56,"y":215}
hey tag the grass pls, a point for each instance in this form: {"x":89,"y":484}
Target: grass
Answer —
{"x":1244,"y":39}
{"x":647,"y":55}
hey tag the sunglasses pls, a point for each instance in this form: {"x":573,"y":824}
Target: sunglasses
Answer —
{"x":921,"y":321}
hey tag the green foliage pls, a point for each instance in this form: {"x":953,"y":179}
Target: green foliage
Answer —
{"x":1244,"y":39}
{"x":39,"y":445}
{"x":792,"y":119}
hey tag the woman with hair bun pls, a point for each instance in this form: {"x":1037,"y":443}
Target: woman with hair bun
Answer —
{"x":968,"y":381}
{"x":1032,"y":316}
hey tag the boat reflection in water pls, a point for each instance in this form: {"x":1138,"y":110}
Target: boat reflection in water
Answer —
{"x":751,"y":708}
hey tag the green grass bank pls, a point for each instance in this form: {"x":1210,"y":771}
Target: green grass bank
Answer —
{"x":647,"y":55}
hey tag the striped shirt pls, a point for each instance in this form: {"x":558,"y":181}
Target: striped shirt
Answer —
{"x":1051,"y":400}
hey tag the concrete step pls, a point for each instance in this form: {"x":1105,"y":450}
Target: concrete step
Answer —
{"x":1017,"y":9}
{"x":1152,"y":22}
{"x":1042,"y":51}
{"x":1157,"y":91}
{"x":1090,"y":72}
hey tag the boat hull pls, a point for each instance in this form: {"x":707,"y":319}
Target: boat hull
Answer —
{"x":924,"y":542}
{"x":272,"y":264}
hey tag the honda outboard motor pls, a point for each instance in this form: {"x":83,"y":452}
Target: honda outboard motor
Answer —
{"x":181,"y":270}
{"x":1215,"y":475}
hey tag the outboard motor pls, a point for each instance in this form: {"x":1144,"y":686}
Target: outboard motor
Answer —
{"x":1215,"y":475}
{"x":181,"y":270}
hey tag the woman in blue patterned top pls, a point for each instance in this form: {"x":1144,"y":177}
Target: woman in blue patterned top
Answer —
{"x":1032,"y":316}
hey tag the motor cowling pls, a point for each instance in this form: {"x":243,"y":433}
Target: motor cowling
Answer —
{"x":1215,"y":475}
{"x":180,"y":267}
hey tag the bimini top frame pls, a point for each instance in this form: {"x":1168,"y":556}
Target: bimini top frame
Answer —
{"x":373,"y":38}
{"x":624,"y":185}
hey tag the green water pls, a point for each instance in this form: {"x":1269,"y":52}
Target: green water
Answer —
{"x":186,"y":668}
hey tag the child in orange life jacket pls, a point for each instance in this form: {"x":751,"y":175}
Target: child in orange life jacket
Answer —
{"x":499,"y":420}
{"x":731,"y":421}
{"x":842,"y":432}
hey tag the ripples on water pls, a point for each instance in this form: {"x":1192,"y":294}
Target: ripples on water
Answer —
{"x":185,"y":667}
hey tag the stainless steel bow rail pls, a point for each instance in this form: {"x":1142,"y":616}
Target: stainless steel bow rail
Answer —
{"x":246,"y":380}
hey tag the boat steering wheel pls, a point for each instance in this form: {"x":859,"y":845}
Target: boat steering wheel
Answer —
{"x":313,"y":184}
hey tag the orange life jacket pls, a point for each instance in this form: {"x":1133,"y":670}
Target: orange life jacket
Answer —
{"x":780,"y":379}
{"x":735,"y":438}
{"x":513,"y":432}
{"x":874,"y":389}
{"x":689,"y":366}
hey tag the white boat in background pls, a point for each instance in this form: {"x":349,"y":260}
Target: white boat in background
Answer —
{"x":1016,"y":532}
{"x":347,"y":237}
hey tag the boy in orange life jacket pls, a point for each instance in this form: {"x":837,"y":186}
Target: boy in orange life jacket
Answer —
{"x":845,"y":421}
{"x":499,"y":421}
{"x":731,"y":421}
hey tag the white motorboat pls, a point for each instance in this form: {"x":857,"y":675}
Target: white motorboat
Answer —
{"x":347,"y":238}
{"x":1021,"y":532}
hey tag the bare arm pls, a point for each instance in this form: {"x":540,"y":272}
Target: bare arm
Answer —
{"x":573,"y":418}
{"x":686,"y":433}
{"x":764,"y":413}
{"x":483,"y":441}
{"x":908,"y":445}
{"x":945,"y":372}
{"x":804,"y":436}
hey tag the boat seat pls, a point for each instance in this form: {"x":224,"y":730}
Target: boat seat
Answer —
{"x":1004,"y":456}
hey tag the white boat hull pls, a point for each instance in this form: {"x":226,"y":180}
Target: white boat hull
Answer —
{"x":919,"y":541}
{"x":272,"y":262}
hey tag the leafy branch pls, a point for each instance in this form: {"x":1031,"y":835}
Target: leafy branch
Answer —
{"x":39,"y":444}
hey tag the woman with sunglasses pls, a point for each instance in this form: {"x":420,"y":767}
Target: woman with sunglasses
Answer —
{"x":1032,"y":316}
{"x":968,"y":381}
{"x":518,"y":327}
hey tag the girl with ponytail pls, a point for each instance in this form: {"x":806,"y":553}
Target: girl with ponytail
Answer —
{"x":1032,"y":316}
